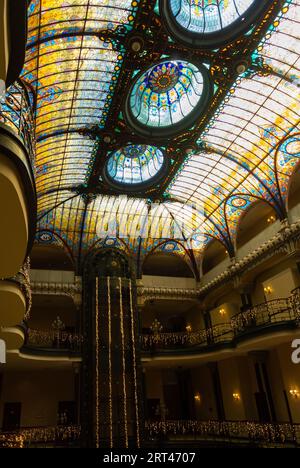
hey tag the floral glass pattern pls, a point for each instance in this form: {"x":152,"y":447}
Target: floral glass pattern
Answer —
{"x":208,"y":16}
{"x":135,"y":164}
{"x":166,"y":93}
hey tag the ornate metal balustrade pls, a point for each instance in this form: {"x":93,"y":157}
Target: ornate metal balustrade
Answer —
{"x":267,"y":313}
{"x":218,"y":334}
{"x":17,"y":112}
{"x":51,"y":436}
{"x":276,"y":312}
{"x":226,"y":431}
{"x":53,"y":340}
{"x":295,"y":303}
{"x":249,"y":432}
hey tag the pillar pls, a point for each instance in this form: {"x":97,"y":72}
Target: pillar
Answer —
{"x":111,"y":386}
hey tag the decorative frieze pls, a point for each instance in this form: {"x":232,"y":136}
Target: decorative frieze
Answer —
{"x":284,"y":242}
{"x":72,"y":290}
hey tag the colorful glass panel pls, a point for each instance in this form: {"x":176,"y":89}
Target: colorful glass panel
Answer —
{"x":208,"y":16}
{"x":166,"y":93}
{"x":135,"y":164}
{"x":73,"y":73}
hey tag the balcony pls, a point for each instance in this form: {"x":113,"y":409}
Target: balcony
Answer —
{"x":17,"y":185}
{"x":15,"y":306}
{"x":41,"y":437}
{"x":17,"y":113}
{"x":170,"y":433}
{"x":52,"y":342}
{"x":280,"y":314}
{"x":218,"y":334}
{"x":268,"y":314}
{"x":226,"y":433}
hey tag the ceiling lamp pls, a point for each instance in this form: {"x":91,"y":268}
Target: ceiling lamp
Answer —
{"x":168,"y":97}
{"x":210,"y":23}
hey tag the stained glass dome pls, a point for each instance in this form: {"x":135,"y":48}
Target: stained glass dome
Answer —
{"x":210,"y":22}
{"x":168,"y":96}
{"x":135,"y":164}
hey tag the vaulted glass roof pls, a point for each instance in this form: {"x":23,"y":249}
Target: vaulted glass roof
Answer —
{"x":243,"y":146}
{"x":73,"y":73}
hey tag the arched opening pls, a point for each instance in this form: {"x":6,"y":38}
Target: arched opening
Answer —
{"x":256,"y":219}
{"x":166,"y":264}
{"x":214,"y":254}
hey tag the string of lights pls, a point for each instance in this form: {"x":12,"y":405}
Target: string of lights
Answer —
{"x":109,"y":365}
{"x":97,"y":366}
{"x":137,"y":416}
{"x":123,"y":363}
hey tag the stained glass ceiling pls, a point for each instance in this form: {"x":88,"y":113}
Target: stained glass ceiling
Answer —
{"x":134,"y":165}
{"x":80,"y":65}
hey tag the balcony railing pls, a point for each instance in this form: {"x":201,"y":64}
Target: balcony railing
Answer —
{"x":52,"y":340}
{"x":271,"y":312}
{"x":295,"y":303}
{"x":17,"y":113}
{"x":276,"y":312}
{"x":40,"y":436}
{"x":217,"y":334}
{"x":226,"y":431}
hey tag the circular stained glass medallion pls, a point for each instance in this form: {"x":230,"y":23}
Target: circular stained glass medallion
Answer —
{"x":168,"y":97}
{"x":292,"y":147}
{"x":210,"y":22}
{"x":238,"y":202}
{"x":135,"y":165}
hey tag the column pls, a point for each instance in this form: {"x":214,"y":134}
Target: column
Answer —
{"x":214,"y":371}
{"x":111,"y":381}
{"x":264,"y":398}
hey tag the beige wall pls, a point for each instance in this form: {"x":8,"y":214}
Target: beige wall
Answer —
{"x":39,"y":392}
{"x":281,"y":284}
{"x":205,"y":409}
{"x":229,"y":308}
{"x":154,"y":384}
{"x":231,"y":383}
{"x":290,"y":375}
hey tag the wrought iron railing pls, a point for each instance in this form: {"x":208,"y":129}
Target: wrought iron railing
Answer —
{"x":276,"y":312}
{"x":23,"y":438}
{"x":295,"y":303}
{"x":252,"y":432}
{"x":53,"y":340}
{"x":271,"y":312}
{"x":262,"y":434}
{"x":17,"y":112}
{"x":218,"y":334}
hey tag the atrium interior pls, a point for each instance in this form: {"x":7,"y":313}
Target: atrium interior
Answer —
{"x":150,"y":224}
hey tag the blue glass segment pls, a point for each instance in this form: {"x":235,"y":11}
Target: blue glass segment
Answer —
{"x":135,"y":164}
{"x":208,"y":16}
{"x":166,"y":93}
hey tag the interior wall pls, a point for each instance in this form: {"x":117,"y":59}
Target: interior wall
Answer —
{"x":291,"y":378}
{"x":205,"y":409}
{"x":281,"y":284}
{"x":231,"y":384}
{"x":224,"y":312}
{"x":154,"y":384}
{"x":39,"y":392}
